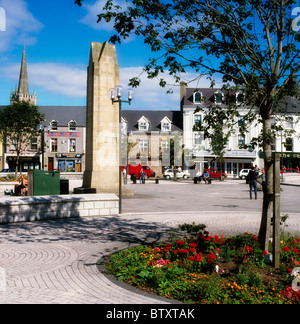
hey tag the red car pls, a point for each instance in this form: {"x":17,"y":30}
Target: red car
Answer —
{"x":289,"y":171}
{"x":216,"y":174}
{"x":136,"y":169}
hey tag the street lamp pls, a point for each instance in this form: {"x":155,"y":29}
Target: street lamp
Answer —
{"x":42,"y":132}
{"x":115,"y":95}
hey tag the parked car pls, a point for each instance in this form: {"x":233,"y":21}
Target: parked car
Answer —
{"x":8,"y":171}
{"x":289,"y":171}
{"x":215,"y":174}
{"x":244,"y":173}
{"x":170,"y":174}
{"x":136,"y":169}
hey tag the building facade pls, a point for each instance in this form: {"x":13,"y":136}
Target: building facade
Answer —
{"x":61,"y":143}
{"x":150,"y":138}
{"x":235,"y":158}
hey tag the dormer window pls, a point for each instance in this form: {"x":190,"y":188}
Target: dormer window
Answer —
{"x":54,"y":124}
{"x":144,"y":124}
{"x":198,"y":97}
{"x":240,"y":98}
{"x":166,"y":125}
{"x":72,"y":125}
{"x":219,"y":97}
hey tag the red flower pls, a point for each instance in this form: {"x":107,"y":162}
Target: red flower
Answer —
{"x":295,"y":251}
{"x":248,"y":249}
{"x":181,"y":243}
{"x":176,"y":251}
{"x":184,"y":251}
{"x":193,"y":245}
{"x":192,"y":250}
{"x":265,"y":253}
{"x":286,"y":249}
{"x":211,"y":258}
{"x":198,"y":257}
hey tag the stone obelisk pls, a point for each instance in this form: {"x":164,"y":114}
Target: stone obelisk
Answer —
{"x":102,"y":135}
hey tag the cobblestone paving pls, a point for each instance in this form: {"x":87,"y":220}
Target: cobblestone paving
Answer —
{"x":56,"y":262}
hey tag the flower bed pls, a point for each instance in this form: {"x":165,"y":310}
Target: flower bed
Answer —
{"x":212,"y":269}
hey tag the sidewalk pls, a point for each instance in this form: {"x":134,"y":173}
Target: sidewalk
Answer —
{"x":58,"y":262}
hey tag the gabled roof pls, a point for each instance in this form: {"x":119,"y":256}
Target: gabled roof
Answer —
{"x":155,"y":117}
{"x":64,"y":114}
{"x":289,"y":105}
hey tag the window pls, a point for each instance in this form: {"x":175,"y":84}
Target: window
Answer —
{"x":218,"y":98}
{"x":72,"y":125}
{"x":198,"y":98}
{"x":165,"y":145}
{"x":14,"y":143}
{"x":54,"y":145}
{"x":143,"y":127}
{"x":72,"y":145}
{"x":54,"y":125}
{"x":143,"y":124}
{"x":143,"y":146}
{"x":241,"y":121}
{"x":289,"y":145}
{"x":240,"y":98}
{"x":198,"y":120}
{"x":166,"y":127}
{"x":198,"y":139}
{"x":242,"y":140}
{"x":33,"y":144}
{"x":289,"y":123}
{"x":166,"y":124}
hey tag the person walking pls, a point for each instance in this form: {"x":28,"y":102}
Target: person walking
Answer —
{"x":252,"y":176}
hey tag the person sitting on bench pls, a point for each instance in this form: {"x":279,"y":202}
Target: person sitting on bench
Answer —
{"x":206,"y":177}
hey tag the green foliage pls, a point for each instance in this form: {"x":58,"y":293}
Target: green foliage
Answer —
{"x":19,"y":123}
{"x":227,"y":270}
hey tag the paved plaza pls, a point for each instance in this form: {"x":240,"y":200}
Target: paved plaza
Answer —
{"x":59,"y":262}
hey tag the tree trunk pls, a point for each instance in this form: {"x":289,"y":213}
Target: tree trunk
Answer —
{"x":265,"y":228}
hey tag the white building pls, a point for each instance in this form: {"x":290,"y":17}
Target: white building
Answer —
{"x":235,"y":159}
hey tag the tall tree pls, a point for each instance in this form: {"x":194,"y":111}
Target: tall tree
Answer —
{"x":253,"y":44}
{"x":19,"y":124}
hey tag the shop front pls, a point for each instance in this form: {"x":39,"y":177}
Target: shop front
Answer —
{"x":26,"y":163}
{"x":290,"y":160}
{"x":233,"y":162}
{"x":69,"y":162}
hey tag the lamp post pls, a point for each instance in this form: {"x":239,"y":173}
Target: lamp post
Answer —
{"x":42,"y":132}
{"x":115,"y":95}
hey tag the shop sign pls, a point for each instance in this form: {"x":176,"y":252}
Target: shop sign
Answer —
{"x":64,"y":134}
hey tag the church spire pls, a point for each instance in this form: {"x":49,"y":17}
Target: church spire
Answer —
{"x":23,"y":81}
{"x":22,"y":91}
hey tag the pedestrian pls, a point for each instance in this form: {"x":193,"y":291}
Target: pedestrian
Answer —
{"x":142,"y":177}
{"x":198,"y":176}
{"x":263,"y":179}
{"x":252,"y":176}
{"x":206,"y":176}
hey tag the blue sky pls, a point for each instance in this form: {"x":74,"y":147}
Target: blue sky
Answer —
{"x":57,"y":35}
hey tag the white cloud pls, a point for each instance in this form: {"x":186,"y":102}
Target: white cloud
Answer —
{"x":150,"y":95}
{"x":91,"y":17}
{"x":54,"y":78}
{"x":21,"y":25}
{"x":70,"y":81}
